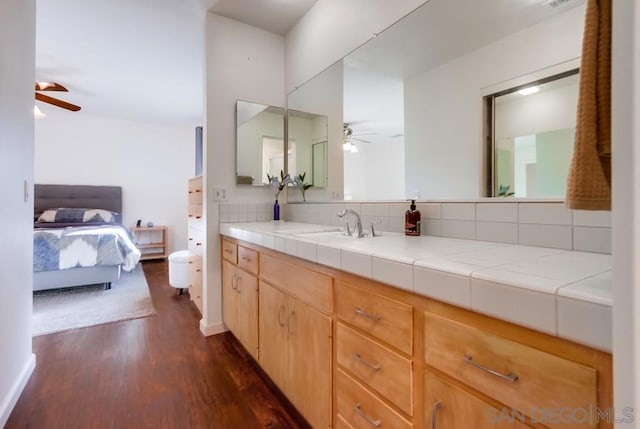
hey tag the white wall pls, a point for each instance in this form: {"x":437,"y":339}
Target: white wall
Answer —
{"x":443,"y":106}
{"x":151,"y":161}
{"x":626,"y":207}
{"x":310,"y":48}
{"x":246,"y":63}
{"x":17,"y":63}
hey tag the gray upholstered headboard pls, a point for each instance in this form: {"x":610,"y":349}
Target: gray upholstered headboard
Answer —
{"x":77,"y":196}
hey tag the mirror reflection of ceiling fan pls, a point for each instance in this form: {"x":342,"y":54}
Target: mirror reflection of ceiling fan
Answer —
{"x":349,"y":137}
{"x":53,"y":86}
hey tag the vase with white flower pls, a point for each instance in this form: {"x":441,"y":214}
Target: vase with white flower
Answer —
{"x":277,"y":184}
{"x":298,"y":182}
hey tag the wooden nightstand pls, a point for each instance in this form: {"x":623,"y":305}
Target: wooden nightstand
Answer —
{"x":153,"y":241}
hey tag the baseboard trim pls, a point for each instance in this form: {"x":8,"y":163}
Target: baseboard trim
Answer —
{"x":16,"y":390}
{"x":208,"y":330}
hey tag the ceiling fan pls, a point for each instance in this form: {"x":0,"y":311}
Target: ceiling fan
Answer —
{"x":349,"y":135}
{"x":53,"y":86}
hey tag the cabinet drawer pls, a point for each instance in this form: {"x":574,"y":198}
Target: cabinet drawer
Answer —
{"x":378,"y":367}
{"x":195,"y":190}
{"x":230,"y":251}
{"x":384,"y":318}
{"x":248,"y":260}
{"x":195,"y":268}
{"x":308,"y":286}
{"x":194,"y":216}
{"x":449,"y":407}
{"x":196,"y":241}
{"x":341,"y":423}
{"x":361,"y":409}
{"x":519,"y":376}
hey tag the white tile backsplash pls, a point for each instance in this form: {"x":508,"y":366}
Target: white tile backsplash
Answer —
{"x":590,"y":239}
{"x":459,"y":229}
{"x":501,"y":232}
{"x":542,"y":224}
{"x":429,"y":210}
{"x":558,"y":237}
{"x":458,"y":211}
{"x":497,"y":212}
{"x":591,"y":218}
{"x":544,"y":213}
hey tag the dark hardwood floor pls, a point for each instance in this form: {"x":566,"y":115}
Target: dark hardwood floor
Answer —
{"x":154,"y":372}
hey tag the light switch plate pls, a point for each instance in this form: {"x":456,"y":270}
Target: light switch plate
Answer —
{"x":219,"y":193}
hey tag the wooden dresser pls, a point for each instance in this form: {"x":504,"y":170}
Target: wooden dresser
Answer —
{"x":196,"y":236}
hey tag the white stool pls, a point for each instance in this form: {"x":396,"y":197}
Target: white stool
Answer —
{"x":179,"y":270}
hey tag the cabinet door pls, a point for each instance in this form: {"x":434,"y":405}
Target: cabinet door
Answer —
{"x":229,"y":307}
{"x":247,"y":311}
{"x":310,"y":362}
{"x":449,"y":407}
{"x":272,"y":323}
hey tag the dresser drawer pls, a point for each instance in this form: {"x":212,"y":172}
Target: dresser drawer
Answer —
{"x":195,"y":190}
{"x":248,"y":260}
{"x":362,"y":410}
{"x":378,"y":367}
{"x":195,"y":268}
{"x":341,"y":423}
{"x":194,"y":216}
{"x":196,"y":241}
{"x":230,"y":251}
{"x":308,"y":286}
{"x":384,"y":318}
{"x":519,"y":376}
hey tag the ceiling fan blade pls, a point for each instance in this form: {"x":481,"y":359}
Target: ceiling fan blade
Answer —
{"x":57,"y":102}
{"x":50,"y":86}
{"x":360,"y":140}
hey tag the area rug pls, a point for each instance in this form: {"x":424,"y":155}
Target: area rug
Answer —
{"x":62,"y":309}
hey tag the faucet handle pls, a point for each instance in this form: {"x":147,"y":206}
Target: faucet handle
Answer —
{"x":347,"y":230}
{"x":373,"y":231}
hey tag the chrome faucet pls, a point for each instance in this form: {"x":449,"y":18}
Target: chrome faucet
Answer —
{"x":357,"y":231}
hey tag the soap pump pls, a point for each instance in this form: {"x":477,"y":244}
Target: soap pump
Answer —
{"x":412,"y":220}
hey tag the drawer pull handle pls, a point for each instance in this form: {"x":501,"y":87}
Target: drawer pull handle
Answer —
{"x":246,"y":258}
{"x":361,"y":312}
{"x":198,"y":244}
{"x":198,"y":217}
{"x":198,"y":190}
{"x":358,"y":410}
{"x":280,"y":322}
{"x":434,"y":411}
{"x":373,"y":366}
{"x":511,"y":377}
{"x":226,"y":250}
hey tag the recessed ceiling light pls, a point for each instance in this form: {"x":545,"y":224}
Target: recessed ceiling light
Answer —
{"x":529,"y":90}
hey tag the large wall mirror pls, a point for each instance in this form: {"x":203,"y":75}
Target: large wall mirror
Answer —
{"x":307,"y":134}
{"x":406,"y":116}
{"x":259,"y":142}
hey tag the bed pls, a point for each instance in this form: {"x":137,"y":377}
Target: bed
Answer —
{"x":75,"y":242}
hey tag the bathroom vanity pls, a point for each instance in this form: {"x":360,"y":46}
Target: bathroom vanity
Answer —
{"x":426,"y":332}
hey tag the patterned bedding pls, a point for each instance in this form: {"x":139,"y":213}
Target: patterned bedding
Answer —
{"x":83,"y":246}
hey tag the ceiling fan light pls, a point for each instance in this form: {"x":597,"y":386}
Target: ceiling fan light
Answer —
{"x":37,"y":113}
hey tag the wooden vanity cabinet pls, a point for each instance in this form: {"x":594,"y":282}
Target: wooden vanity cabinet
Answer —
{"x":350,"y":352}
{"x":296,"y":340}
{"x":240,"y":304}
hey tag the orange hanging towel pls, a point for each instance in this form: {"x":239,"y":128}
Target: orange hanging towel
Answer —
{"x":589,"y":178}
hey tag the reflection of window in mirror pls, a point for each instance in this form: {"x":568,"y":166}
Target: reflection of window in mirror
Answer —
{"x":531,"y":130}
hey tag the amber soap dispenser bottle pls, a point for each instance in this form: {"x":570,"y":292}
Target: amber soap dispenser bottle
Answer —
{"x":412,"y":220}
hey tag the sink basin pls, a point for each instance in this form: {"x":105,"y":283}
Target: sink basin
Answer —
{"x":330,"y":235}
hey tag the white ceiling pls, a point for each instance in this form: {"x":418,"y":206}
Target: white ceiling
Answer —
{"x":275,"y":16}
{"x":139,"y":59}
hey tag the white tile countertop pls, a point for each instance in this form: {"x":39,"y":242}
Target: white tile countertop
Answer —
{"x":560,"y":292}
